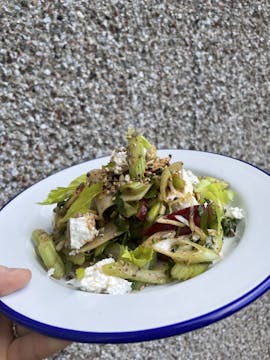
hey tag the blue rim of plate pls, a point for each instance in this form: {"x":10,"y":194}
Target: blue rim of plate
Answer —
{"x":147,"y":334}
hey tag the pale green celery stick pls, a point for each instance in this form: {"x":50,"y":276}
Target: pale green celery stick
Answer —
{"x":110,"y":232}
{"x":198,"y":255}
{"x":178,"y":182}
{"x":46,"y":250}
{"x":82,"y":203}
{"x":165,"y":177}
{"x":132,"y":272}
{"x":135,"y":155}
{"x":153,"y":212}
{"x":187,"y":271}
{"x":134,"y":191}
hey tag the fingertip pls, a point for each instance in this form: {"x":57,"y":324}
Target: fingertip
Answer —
{"x":27,"y":274}
{"x":13,"y":279}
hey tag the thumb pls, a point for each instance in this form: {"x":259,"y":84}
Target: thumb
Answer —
{"x":12,"y":280}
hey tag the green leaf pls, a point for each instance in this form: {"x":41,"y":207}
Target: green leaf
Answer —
{"x":216,"y":191}
{"x":76,"y":182}
{"x":62,"y":193}
{"x":82,"y":203}
{"x":140,"y":257}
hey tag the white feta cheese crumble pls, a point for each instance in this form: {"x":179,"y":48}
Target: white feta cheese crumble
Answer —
{"x":119,"y":157}
{"x":82,"y":230}
{"x":234,"y":213}
{"x":189,"y":179}
{"x":95,"y":281}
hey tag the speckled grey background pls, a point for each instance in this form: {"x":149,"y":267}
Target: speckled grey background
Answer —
{"x":191,"y":74}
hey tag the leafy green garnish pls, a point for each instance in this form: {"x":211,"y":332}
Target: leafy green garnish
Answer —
{"x":141,"y":256}
{"x":82,"y":203}
{"x":216,"y":191}
{"x":62,"y":193}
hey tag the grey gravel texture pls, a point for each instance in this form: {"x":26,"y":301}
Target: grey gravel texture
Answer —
{"x":191,"y":74}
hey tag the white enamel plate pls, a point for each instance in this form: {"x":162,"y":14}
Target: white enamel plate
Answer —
{"x":50,"y":307}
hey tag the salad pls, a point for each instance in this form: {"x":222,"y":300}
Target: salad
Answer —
{"x":139,"y":220}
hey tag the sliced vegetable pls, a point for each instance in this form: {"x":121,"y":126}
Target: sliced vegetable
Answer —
{"x":194,"y":253}
{"x":132,"y":272}
{"x":183,"y":272}
{"x":136,"y":155}
{"x":83,"y":202}
{"x":134,"y":191}
{"x":109,"y":232}
{"x":45,"y":249}
{"x":217,"y":191}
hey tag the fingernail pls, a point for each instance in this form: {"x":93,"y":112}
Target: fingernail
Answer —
{"x":5,"y":269}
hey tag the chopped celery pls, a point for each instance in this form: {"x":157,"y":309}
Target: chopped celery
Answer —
{"x":187,"y":271}
{"x":109,"y":232}
{"x":46,"y":250}
{"x":175,"y":248}
{"x":132,"y":272}
{"x":136,"y":155}
{"x":153,"y":212}
{"x":83,"y":202}
{"x":134,"y":191}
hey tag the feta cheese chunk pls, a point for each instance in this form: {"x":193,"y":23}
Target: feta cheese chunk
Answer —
{"x":189,"y":179}
{"x":82,"y":230}
{"x":119,"y":157}
{"x":95,"y":281}
{"x":234,"y":213}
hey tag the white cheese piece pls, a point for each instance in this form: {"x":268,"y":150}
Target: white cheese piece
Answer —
{"x":119,"y":157}
{"x":82,"y":230}
{"x":95,"y":281}
{"x":234,"y":213}
{"x":189,"y":179}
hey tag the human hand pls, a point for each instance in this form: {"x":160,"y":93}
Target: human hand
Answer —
{"x":27,"y":345}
